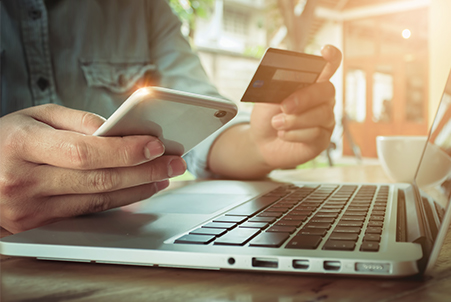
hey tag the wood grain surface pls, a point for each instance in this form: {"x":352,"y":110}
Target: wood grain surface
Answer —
{"x":25,"y":279}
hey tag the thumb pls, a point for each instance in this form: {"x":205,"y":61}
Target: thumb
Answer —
{"x":333,"y":57}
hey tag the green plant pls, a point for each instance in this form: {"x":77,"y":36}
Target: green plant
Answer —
{"x":189,"y":10}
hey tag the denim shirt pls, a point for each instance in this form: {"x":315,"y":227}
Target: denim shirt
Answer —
{"x":92,"y":54}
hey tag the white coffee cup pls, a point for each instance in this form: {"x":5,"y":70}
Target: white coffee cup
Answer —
{"x":435,"y":166}
{"x":399,"y":156}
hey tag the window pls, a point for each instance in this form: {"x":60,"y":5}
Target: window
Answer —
{"x":382,"y":97}
{"x":235,"y":22}
{"x":356,"y":95}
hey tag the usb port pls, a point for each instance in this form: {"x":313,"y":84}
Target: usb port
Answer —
{"x":301,"y":264}
{"x":265,"y":262}
{"x":332,"y":265}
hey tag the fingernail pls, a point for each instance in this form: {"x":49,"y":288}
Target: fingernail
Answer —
{"x":278,"y":121}
{"x":176,"y":167}
{"x":153,"y":149}
{"x":290,"y":105}
{"x":327,"y":46}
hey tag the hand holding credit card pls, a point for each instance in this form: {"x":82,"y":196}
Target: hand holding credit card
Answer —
{"x":280,"y":73}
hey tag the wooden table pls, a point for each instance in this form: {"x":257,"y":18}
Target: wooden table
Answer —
{"x":26,"y":279}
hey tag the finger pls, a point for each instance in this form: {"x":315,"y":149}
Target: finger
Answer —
{"x":59,"y":181}
{"x":309,"y":97}
{"x":74,"y":205}
{"x":333,"y":57}
{"x":320,"y":116}
{"x":60,"y":117}
{"x":41,"y":144}
{"x":318,"y":135}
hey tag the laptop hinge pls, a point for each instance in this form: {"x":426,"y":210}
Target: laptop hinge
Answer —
{"x":401,"y":223}
{"x":416,"y":229}
{"x":426,"y":240}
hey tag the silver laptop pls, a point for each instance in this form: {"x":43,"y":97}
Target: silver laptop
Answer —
{"x":351,"y":229}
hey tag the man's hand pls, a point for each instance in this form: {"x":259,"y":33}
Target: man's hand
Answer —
{"x":51,"y":167}
{"x":300,"y":128}
{"x":281,"y":135}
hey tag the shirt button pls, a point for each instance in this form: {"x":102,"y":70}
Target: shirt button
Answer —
{"x":43,"y":83}
{"x":35,"y":14}
{"x":121,"y":80}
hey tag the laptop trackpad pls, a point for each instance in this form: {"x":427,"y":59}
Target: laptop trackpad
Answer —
{"x":191,"y":203}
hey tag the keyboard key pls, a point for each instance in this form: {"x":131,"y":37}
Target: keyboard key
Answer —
{"x":352,"y":230}
{"x":300,"y":213}
{"x":337,"y":198}
{"x":318,"y":225}
{"x":344,"y":223}
{"x":323,"y":210}
{"x":251,"y":207}
{"x":207,"y":231}
{"x":364,"y":197}
{"x":237,"y":237}
{"x":305,"y":209}
{"x":316,"y":198}
{"x":332,"y":207}
{"x":269,"y":239}
{"x":352,"y":213}
{"x":235,"y":219}
{"x":219,"y":225}
{"x":270,"y":214}
{"x":304,"y":242}
{"x":294,"y":217}
{"x":195,"y":239}
{"x":352,"y":218}
{"x":377,"y":218}
{"x":282,"y":229}
{"x":374,"y":230}
{"x":285,"y":203}
{"x":378,"y":213}
{"x":277,"y":209}
{"x":357,"y":209}
{"x":263,"y":219}
{"x":311,"y":203}
{"x":339,"y":245}
{"x":326,"y":215}
{"x":372,"y":237}
{"x":283,"y":222}
{"x":368,"y":246}
{"x":375,"y":224}
{"x":361,"y":203}
{"x":254,"y":225}
{"x":321,"y":220}
{"x":344,"y":236}
{"x":381,"y":209}
{"x":314,"y":232}
{"x":333,"y":202}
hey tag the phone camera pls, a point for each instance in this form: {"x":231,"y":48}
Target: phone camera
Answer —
{"x":220,"y":113}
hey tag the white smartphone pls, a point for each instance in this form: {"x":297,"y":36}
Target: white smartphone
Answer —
{"x":181,"y":120}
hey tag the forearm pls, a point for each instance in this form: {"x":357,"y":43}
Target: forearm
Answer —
{"x":235,"y":155}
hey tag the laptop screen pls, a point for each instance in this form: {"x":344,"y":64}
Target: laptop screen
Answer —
{"x":434,"y":173}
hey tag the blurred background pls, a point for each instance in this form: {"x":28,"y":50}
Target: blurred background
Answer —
{"x":397,"y":55}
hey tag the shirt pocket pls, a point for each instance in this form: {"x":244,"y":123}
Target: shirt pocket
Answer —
{"x":117,"y":77}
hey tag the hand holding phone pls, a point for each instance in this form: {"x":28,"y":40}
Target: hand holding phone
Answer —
{"x":179,"y":119}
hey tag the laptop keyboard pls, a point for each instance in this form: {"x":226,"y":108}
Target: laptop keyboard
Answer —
{"x":330,"y":217}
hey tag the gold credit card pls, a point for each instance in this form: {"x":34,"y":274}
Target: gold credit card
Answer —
{"x":280,"y":73}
